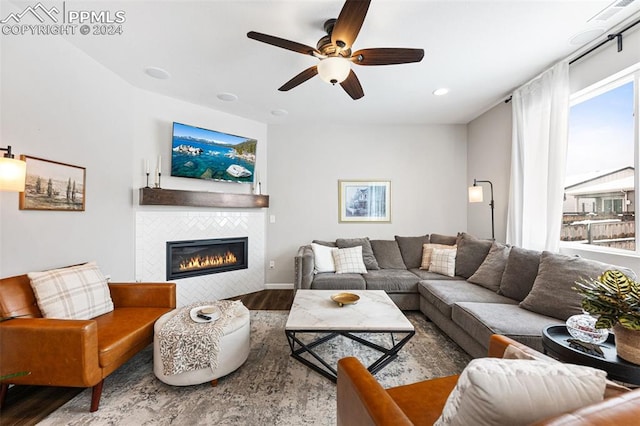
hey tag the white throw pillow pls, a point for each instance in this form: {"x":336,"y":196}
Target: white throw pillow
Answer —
{"x":443,"y":262}
{"x":349,"y":261}
{"x":323,"y":258}
{"x":427,"y":251}
{"x":76,"y":292}
{"x":495,"y":391}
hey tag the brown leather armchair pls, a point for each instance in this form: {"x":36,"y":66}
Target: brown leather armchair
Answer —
{"x":362,"y":401}
{"x":75,"y":353}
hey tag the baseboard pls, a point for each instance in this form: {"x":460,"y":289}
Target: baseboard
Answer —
{"x":278,"y":286}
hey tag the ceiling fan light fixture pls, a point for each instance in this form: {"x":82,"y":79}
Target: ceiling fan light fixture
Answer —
{"x":334,"y":69}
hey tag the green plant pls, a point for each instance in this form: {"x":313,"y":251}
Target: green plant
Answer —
{"x":613,"y":297}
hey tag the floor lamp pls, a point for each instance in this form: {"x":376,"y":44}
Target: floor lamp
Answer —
{"x":475,"y":196}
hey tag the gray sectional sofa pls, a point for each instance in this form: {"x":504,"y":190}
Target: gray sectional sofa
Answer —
{"x":496,"y":288}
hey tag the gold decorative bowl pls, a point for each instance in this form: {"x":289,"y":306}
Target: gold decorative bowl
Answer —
{"x":345,"y":298}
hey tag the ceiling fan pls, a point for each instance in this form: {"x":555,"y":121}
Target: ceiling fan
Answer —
{"x":334,"y":51}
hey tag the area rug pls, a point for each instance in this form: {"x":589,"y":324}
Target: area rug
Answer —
{"x":271,"y":388}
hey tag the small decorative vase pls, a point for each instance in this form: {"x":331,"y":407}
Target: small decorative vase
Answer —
{"x":583,"y":328}
{"x":627,"y":343}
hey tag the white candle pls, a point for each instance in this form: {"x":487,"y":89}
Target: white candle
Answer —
{"x":147,"y":166}
{"x":159,"y":163}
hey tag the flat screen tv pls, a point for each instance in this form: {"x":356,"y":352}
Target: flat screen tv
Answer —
{"x":207,"y":154}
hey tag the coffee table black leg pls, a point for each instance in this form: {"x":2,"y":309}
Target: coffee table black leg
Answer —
{"x":330,"y":372}
{"x":390,"y":354}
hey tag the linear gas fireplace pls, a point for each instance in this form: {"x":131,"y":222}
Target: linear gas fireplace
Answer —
{"x":202,"y":257}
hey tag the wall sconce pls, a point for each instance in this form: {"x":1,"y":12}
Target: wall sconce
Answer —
{"x":334,"y":69}
{"x":475,"y":196}
{"x":12,"y":172}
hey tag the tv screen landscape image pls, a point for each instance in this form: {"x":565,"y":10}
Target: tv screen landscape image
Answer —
{"x":207,"y":154}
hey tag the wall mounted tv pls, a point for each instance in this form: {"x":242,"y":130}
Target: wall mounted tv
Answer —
{"x":207,"y":154}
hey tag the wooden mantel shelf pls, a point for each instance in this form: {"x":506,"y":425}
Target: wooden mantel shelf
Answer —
{"x":176,"y":197}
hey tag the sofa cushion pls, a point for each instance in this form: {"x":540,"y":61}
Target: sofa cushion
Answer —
{"x":490,"y":392}
{"x":323,"y":258}
{"x":392,"y":281}
{"x":411,"y":249}
{"x":443,"y":261}
{"x":387,"y":253}
{"x":331,"y":281}
{"x":349,"y":260}
{"x":489,"y":274}
{"x":481,"y":320}
{"x":471,"y":253}
{"x":367,"y":253}
{"x":430,"y":275}
{"x":444,"y":294}
{"x":552,"y":293}
{"x":427,"y":251}
{"x":447,"y":240}
{"x":76,"y":292}
{"x":520,"y":273}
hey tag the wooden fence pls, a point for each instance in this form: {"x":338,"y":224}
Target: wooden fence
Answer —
{"x":607,"y":234}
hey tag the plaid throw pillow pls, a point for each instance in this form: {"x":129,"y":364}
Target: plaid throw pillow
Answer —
{"x":349,"y":261}
{"x":77,"y":292}
{"x":443,"y":262}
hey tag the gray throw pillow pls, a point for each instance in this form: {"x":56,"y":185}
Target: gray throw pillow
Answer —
{"x":489,"y":274}
{"x":471,"y":254}
{"x":367,"y":253}
{"x":447,"y":240}
{"x":520,"y":273}
{"x":325,"y":243}
{"x":411,"y":249}
{"x":552,"y":293}
{"x":387,"y":254}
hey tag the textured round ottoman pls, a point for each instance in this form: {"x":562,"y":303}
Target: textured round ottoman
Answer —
{"x":233,"y":351}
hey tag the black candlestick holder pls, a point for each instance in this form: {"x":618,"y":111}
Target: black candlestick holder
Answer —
{"x":147,"y":180}
{"x":158,"y":183}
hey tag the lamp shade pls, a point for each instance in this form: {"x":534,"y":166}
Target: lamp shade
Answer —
{"x":12,"y":174}
{"x":475,"y":194}
{"x":334,"y":69}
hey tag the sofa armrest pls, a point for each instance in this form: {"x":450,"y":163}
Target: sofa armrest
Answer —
{"x":498,"y":345}
{"x":362,"y":400}
{"x":53,"y":351}
{"x":131,"y":295}
{"x":304,"y":265}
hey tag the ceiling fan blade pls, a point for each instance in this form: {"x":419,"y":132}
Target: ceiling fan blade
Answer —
{"x":349,"y":22}
{"x":281,"y":42}
{"x":299,"y":79}
{"x":387,"y":56}
{"x":352,"y":86}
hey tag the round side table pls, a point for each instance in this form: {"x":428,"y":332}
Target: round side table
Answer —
{"x":555,"y":344}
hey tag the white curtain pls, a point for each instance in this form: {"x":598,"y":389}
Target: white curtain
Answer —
{"x":540,"y":125}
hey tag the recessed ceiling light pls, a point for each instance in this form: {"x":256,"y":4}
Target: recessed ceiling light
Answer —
{"x":227,"y":97}
{"x":441,"y":91}
{"x":158,"y":73}
{"x":585,"y":36}
{"x":279,"y":112}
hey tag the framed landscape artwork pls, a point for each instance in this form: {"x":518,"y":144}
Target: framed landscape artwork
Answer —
{"x":364,"y":201}
{"x":51,"y":185}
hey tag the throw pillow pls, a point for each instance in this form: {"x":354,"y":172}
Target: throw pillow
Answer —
{"x":552,"y":293}
{"x":427,"y":250}
{"x":447,"y":240}
{"x":443,"y":262}
{"x":387,"y":253}
{"x":494,"y":391}
{"x":520,"y":273}
{"x":489,"y":274}
{"x":325,"y":243}
{"x":323,"y":258}
{"x":471,"y":253}
{"x":76,"y":292}
{"x":367,"y":253}
{"x":411,"y":249}
{"x":349,"y":261}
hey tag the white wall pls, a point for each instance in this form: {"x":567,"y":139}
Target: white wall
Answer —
{"x":59,"y":105}
{"x":489,"y":158}
{"x":425,"y":164}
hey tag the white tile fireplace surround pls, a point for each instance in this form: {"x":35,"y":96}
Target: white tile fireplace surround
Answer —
{"x":155,"y":228}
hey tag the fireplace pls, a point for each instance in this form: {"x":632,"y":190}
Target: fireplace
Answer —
{"x":202,"y":257}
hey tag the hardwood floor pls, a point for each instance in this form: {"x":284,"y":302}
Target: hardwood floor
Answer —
{"x":27,"y":405}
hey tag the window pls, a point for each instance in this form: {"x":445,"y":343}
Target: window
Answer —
{"x":599,"y":196}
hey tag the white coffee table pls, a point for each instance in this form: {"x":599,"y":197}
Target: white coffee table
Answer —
{"x":313,"y":311}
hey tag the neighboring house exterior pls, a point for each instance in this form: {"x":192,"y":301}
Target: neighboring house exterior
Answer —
{"x":604,"y":193}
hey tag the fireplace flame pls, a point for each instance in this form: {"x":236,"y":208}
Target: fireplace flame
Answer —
{"x":201,"y":262}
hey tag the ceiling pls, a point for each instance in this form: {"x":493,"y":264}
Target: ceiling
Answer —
{"x":479,"y":50}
